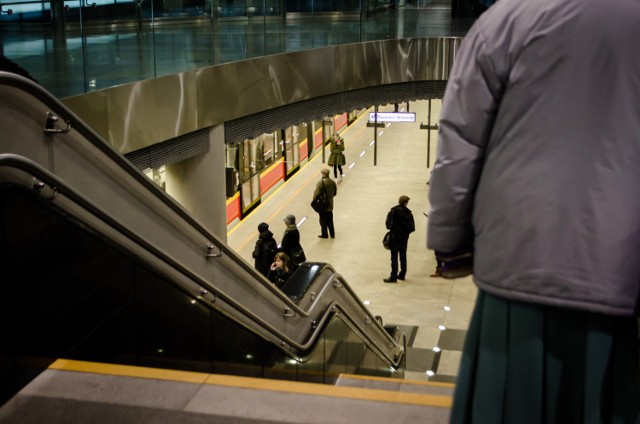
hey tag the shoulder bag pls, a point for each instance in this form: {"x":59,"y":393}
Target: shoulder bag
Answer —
{"x":321,"y":202}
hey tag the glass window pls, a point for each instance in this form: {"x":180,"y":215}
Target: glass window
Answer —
{"x":157,"y":175}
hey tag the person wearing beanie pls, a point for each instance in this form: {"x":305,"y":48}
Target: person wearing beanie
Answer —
{"x":291,"y":243}
{"x":400,"y":223}
{"x":265,"y":249}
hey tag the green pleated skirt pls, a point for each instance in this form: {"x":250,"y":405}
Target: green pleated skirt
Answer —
{"x":528,"y":363}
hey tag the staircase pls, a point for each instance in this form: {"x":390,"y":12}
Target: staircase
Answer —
{"x":82,"y":392}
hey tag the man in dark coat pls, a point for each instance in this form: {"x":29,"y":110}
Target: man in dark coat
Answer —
{"x":400,"y":222}
{"x":265,"y":250}
{"x":327,"y":186}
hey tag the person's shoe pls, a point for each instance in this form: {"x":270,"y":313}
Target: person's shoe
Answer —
{"x":390,"y":280}
{"x":438,"y":273}
{"x":401,"y":277}
{"x":333,"y":236}
{"x":321,"y":236}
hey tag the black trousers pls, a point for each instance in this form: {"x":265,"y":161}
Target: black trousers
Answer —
{"x":399,"y":249}
{"x":326,"y":224}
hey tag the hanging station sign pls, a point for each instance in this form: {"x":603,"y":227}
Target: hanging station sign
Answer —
{"x":392,"y":117}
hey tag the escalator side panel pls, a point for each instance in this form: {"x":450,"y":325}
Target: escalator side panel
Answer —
{"x":69,"y":294}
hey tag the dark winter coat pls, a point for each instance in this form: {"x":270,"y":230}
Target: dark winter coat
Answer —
{"x":264,"y":252}
{"x":328,"y":186}
{"x":337,"y":157}
{"x":400,"y":222}
{"x":278,"y":276}
{"x":291,"y":246}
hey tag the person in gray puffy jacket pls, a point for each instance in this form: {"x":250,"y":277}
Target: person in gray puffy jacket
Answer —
{"x":538,"y":175}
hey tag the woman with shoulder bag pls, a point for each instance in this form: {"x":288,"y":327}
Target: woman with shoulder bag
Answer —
{"x":291,"y":243}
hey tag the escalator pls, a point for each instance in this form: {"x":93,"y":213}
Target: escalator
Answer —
{"x":98,"y":264}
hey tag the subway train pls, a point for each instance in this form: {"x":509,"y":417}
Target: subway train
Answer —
{"x":258,"y":166}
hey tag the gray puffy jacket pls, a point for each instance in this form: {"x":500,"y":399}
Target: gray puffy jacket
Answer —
{"x":538,"y":167}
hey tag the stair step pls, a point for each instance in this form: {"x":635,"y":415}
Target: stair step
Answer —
{"x":395,"y":385}
{"x":75,"y":392}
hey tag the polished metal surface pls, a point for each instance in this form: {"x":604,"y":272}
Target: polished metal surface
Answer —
{"x":138,"y":115}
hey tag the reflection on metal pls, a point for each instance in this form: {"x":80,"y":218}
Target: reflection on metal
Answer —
{"x":211,"y":251}
{"x":39,"y":186}
{"x":50,"y":125}
{"x":154,"y":110}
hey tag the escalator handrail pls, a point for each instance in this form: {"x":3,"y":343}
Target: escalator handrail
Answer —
{"x":36,"y":171}
{"x":97,"y":141}
{"x":92,"y":137}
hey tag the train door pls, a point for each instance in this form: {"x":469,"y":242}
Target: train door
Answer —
{"x":291,"y":147}
{"x":249,"y":178}
{"x":254,"y":156}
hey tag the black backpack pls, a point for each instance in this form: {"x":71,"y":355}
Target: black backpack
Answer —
{"x":269,"y":250}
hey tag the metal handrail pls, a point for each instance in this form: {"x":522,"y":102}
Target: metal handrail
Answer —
{"x":60,"y":189}
{"x":64,"y":190}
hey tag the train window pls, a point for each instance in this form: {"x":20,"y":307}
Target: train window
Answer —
{"x":269,"y":148}
{"x":291,"y":144}
{"x":157,"y":175}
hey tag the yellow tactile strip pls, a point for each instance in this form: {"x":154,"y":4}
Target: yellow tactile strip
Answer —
{"x":399,"y":380}
{"x":254,"y":383}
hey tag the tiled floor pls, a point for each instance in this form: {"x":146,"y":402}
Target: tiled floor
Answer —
{"x":364,"y":197}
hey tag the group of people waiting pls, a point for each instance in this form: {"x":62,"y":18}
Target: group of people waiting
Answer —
{"x":277,"y":263}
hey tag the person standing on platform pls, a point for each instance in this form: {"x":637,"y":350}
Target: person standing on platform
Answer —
{"x":265,"y":249}
{"x":328,"y":186}
{"x":336,"y":158}
{"x":537,"y":176}
{"x":401,"y":224}
{"x":290,"y":243}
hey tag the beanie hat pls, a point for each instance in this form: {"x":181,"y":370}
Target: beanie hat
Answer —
{"x":263,"y":226}
{"x":289,"y":220}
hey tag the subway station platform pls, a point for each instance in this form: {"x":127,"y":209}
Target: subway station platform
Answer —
{"x":433,"y":312}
